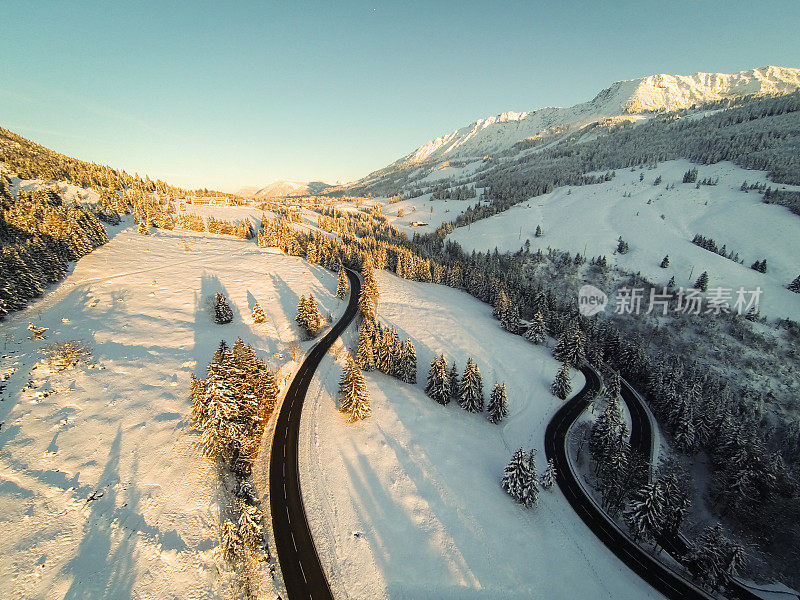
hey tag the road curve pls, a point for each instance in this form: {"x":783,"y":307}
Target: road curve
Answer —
{"x":302,"y":571}
{"x":639,"y":561}
{"x":636,"y":558}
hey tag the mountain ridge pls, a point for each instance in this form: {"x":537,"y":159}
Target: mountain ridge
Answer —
{"x":284,"y":188}
{"x":630,"y":97}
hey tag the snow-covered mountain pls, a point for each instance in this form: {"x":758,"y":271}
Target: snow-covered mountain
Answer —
{"x":631,"y":97}
{"x":282,"y":187}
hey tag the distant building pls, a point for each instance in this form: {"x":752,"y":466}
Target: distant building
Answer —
{"x":207,"y":200}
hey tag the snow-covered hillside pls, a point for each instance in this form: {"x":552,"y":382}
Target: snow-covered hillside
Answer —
{"x":492,"y":135}
{"x":103,"y":489}
{"x":408,"y":503}
{"x":656,"y":222}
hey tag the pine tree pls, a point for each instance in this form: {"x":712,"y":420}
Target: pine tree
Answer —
{"x":365,"y":356}
{"x":510,"y":319}
{"x":532,"y":488}
{"x":702,"y":282}
{"x":606,"y":432}
{"x":671,"y":282}
{"x":342,"y":284}
{"x":438,"y":384}
{"x":498,"y":403}
{"x":453,"y":381}
{"x":645,"y":512}
{"x":222,"y":311}
{"x":470,"y":395}
{"x":713,"y":558}
{"x":409,"y":362}
{"x":665,"y":262}
{"x":501,"y":305}
{"x":537,"y":332}
{"x":258,"y":314}
{"x":549,"y":476}
{"x":366,"y":304}
{"x":569,"y":348}
{"x":353,"y":392}
{"x":518,"y":481}
{"x":794,"y":286}
{"x":562,"y":386}
{"x":539,"y":232}
{"x":613,"y":384}
{"x":308,"y":316}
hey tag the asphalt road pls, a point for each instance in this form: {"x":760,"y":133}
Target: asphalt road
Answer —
{"x":302,"y":571}
{"x":639,"y":561}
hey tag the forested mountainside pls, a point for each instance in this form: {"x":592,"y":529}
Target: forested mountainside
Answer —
{"x":756,"y":133}
{"x":45,"y":226}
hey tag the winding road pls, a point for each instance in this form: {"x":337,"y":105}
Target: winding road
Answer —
{"x":302,"y":571}
{"x":666,"y":581}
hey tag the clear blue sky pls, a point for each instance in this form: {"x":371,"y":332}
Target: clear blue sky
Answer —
{"x":223,"y":94}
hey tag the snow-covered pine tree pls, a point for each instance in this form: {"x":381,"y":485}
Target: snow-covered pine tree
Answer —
{"x":665,"y":262}
{"x":613,"y":384}
{"x":396,"y":369}
{"x":509,"y":319}
{"x":302,"y":313}
{"x":370,"y":283}
{"x":671,"y":282}
{"x":470,"y":395}
{"x":605,"y":432}
{"x":453,"y":381}
{"x":250,"y":527}
{"x":230,"y":542}
{"x":713,"y":558}
{"x":258,"y":314}
{"x":532,"y":487}
{"x":562,"y":386}
{"x":702,"y":282}
{"x":501,"y":304}
{"x":549,"y":476}
{"x":366,"y":304}
{"x":438,"y":384}
{"x":384,"y":352}
{"x":570,"y":347}
{"x":645,"y":512}
{"x":342,"y":283}
{"x":365,"y":356}
{"x":409,"y":362}
{"x":353,"y":393}
{"x":794,"y":286}
{"x":537,"y":332}
{"x":517,"y":477}
{"x":498,"y":403}
{"x":222,"y":311}
{"x":538,"y":232}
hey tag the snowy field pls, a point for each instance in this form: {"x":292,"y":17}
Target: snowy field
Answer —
{"x":590,"y":219}
{"x":103,"y":491}
{"x":408,"y":503}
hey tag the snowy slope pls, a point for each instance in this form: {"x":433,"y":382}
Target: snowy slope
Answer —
{"x":590,"y":219}
{"x":491,"y":135}
{"x":408,"y":503}
{"x":121,"y":430}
